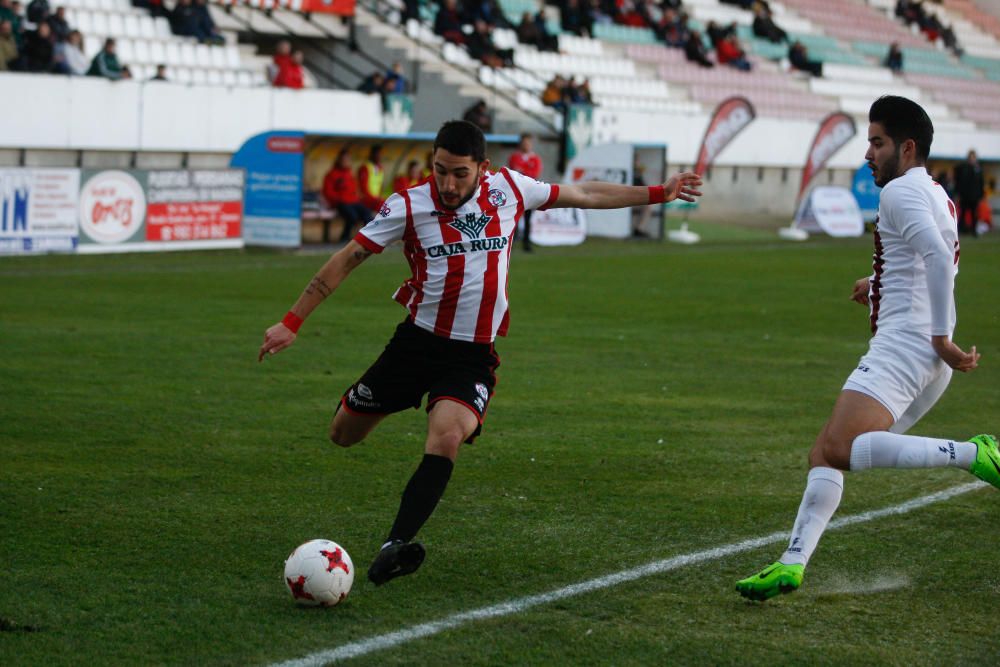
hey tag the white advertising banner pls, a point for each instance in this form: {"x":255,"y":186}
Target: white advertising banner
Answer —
{"x":558,"y":226}
{"x":611,"y":163}
{"x":832,"y":210}
{"x":38,"y":210}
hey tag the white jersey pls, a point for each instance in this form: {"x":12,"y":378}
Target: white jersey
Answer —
{"x":459,"y":258}
{"x":916,"y":257}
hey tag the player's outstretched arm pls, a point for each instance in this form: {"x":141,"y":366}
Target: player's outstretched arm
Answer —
{"x":327,"y":279}
{"x":954,"y":356}
{"x":595,"y":194}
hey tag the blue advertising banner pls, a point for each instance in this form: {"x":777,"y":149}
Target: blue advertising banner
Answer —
{"x":272,"y":214}
{"x":38,"y":210}
{"x":866,"y":192}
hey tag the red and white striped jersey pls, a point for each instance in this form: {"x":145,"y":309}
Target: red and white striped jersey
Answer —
{"x":459,"y":258}
{"x":916,"y":257}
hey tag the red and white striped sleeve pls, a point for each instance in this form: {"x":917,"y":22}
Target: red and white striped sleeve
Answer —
{"x":386,"y":227}
{"x":537,"y":195}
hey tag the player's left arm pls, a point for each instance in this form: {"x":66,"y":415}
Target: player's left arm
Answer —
{"x":595,"y":194}
{"x":921,"y":233}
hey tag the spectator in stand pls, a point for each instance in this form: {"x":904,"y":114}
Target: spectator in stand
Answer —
{"x":798,"y":56}
{"x":894,"y":59}
{"x":672,"y":29}
{"x":59,"y":25}
{"x":282,"y":53}
{"x":448,"y":23}
{"x":485,"y":10}
{"x":579,"y":93}
{"x":161,"y":73}
{"x":716,"y":33}
{"x":412,"y":177}
{"x":729,"y":51}
{"x":554,"y":94}
{"x":290,"y":72}
{"x":105,"y":63}
{"x":373,"y":83}
{"x":481,"y":47}
{"x":38,"y":11}
{"x":411,"y":10}
{"x":549,"y":41}
{"x":11,"y":11}
{"x":526,"y":161}
{"x":340,"y":190}
{"x":395,"y":82}
{"x":8,"y":46}
{"x":529,"y":32}
{"x":479,"y":115}
{"x":184,"y":19}
{"x":765,"y":27}
{"x":371,"y":177}
{"x":969,"y":186}
{"x":695,"y":50}
{"x":39,"y":52}
{"x":205,"y":30}
{"x":574,"y":19}
{"x":70,"y":58}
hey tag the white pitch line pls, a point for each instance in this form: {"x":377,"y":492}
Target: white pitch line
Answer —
{"x":382,"y":642}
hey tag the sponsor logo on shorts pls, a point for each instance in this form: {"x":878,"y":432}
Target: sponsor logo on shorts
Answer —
{"x":365,"y":392}
{"x":355,"y":400}
{"x":482,"y":390}
{"x":497,"y":198}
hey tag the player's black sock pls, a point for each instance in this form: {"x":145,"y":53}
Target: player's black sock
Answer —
{"x":421,"y":496}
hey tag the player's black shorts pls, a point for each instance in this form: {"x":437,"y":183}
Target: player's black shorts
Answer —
{"x":417,"y":362}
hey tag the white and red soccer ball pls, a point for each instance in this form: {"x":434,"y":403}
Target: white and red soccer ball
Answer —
{"x":319,"y":573}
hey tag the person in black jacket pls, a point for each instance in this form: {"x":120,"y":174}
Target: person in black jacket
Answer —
{"x":969,"y":188}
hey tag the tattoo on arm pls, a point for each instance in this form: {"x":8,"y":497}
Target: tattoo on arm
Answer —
{"x":317,"y":284}
{"x":361,"y":255}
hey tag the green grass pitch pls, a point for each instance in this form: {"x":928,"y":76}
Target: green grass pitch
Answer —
{"x":653,"y":401}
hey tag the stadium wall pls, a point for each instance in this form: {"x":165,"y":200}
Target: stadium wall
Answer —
{"x":88,"y":113}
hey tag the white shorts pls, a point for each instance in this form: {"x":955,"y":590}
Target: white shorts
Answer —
{"x":902,"y":372}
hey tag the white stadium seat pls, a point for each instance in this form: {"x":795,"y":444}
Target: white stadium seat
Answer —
{"x":140,"y":51}
{"x":147,"y":28}
{"x":116,"y":26}
{"x":157,"y":54}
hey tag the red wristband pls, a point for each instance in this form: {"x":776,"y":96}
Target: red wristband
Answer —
{"x":657,"y":195}
{"x":292,"y":322}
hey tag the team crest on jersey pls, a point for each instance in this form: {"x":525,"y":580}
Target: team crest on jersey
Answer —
{"x":384,"y":211}
{"x":471,"y":224}
{"x":497,"y":198}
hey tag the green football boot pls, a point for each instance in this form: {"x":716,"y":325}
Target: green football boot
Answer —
{"x":986,"y":466}
{"x":773,"y":580}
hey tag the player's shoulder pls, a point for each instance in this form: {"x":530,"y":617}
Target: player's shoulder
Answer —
{"x":911,"y":184}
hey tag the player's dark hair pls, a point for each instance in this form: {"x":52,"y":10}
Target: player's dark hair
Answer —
{"x":904,"y":119}
{"x":460,"y":137}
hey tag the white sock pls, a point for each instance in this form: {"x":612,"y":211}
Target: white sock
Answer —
{"x":882,"y":449}
{"x":821,"y":499}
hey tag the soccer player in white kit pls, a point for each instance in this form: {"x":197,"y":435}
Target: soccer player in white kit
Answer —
{"x":911,"y":355}
{"x":457,"y":229}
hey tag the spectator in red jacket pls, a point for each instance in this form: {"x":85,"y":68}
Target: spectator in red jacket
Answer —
{"x":340,"y":190}
{"x":290,"y":73}
{"x":729,"y":52}
{"x":412,"y":176}
{"x":526,"y":161}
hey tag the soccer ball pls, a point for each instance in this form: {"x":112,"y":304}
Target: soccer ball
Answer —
{"x":319,"y":573}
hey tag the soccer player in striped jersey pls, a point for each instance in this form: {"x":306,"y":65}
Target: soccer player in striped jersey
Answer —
{"x":456,"y":229}
{"x":911,"y":355}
